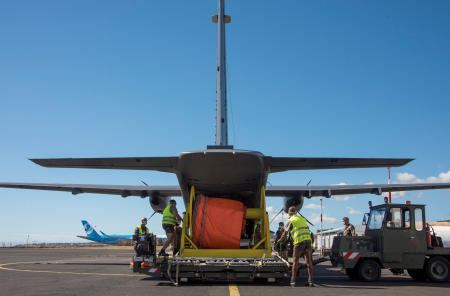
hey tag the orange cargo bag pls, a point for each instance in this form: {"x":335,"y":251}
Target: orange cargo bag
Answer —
{"x":218,"y":223}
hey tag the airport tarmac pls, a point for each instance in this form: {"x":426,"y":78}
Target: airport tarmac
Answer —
{"x":105,"y":271}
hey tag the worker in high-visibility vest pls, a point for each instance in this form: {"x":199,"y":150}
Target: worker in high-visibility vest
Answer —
{"x":141,"y":229}
{"x":140,"y":236}
{"x":301,"y":235}
{"x":169,"y":221}
{"x":256,"y":236}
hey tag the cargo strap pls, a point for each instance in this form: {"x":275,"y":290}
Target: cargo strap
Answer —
{"x":194,"y":215}
{"x":203,"y":222}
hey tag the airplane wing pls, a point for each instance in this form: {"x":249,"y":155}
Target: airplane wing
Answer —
{"x":122,"y":190}
{"x":81,"y":236}
{"x":163,"y":164}
{"x":281,"y":164}
{"x":307,"y":191}
{"x":328,"y":191}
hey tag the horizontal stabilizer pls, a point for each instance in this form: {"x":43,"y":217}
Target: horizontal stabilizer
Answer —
{"x":328,"y":191}
{"x":122,"y":190}
{"x":163,"y":164}
{"x":281,"y":164}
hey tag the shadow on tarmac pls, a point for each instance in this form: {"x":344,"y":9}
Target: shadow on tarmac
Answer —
{"x":323,"y":283}
{"x":327,"y":277}
{"x":332,"y":280}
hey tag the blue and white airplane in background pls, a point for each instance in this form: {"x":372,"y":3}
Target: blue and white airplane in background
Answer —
{"x":93,"y":235}
{"x":113,"y":239}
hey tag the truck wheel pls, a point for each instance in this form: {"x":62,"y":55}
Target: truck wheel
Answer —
{"x":352,"y":273}
{"x":437,"y":269}
{"x":369,"y":270}
{"x":417,"y":274}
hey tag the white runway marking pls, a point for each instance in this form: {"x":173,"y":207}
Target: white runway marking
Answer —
{"x":3,"y":267}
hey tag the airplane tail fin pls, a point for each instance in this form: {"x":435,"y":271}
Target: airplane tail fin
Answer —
{"x":90,"y":231}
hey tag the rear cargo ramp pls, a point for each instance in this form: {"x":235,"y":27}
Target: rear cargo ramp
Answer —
{"x":226,"y":269}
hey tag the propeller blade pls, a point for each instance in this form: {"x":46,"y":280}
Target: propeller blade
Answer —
{"x":152,"y":215}
{"x":275,"y":216}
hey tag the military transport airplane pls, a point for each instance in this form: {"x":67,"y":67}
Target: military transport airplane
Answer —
{"x":220,"y":170}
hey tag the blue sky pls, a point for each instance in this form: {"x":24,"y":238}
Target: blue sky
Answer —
{"x":137,"y":78}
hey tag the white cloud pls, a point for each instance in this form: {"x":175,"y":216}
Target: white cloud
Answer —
{"x":369,"y":183}
{"x":342,"y":183}
{"x":408,"y":178}
{"x":411,"y":178}
{"x":315,"y":219}
{"x":398,"y":194}
{"x":352,"y":211}
{"x":312,"y":206}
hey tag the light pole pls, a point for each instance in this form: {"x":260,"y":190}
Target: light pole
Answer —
{"x":321,"y":229}
{"x":389,"y":182}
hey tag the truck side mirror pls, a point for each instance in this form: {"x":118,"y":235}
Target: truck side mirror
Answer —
{"x":365,"y":219}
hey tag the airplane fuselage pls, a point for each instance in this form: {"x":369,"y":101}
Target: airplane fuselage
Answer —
{"x":226,"y":173}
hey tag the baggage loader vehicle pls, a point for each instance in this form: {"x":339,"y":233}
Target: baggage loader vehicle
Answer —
{"x":252,"y":259}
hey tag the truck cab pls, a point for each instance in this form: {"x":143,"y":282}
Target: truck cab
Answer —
{"x":395,"y":238}
{"x":400,"y":234}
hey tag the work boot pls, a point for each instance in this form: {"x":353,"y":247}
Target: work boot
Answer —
{"x":163,"y":253}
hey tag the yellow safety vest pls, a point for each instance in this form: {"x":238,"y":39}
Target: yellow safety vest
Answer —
{"x":255,"y":229}
{"x":300,"y":231}
{"x":145,"y":230}
{"x":168,"y":217}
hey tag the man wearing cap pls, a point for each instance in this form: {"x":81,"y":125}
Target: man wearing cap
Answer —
{"x":299,"y":230}
{"x":349,"y":229}
{"x":142,"y":229}
{"x":170,"y":219}
{"x":140,"y":235}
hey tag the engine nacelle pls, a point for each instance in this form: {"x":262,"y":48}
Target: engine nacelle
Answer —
{"x":296,"y":201}
{"x":158,"y":202}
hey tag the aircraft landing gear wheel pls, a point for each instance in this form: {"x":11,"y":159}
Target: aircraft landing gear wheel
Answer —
{"x":418,"y":274}
{"x":437,"y":269}
{"x":352,"y":273}
{"x":369,"y":270}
